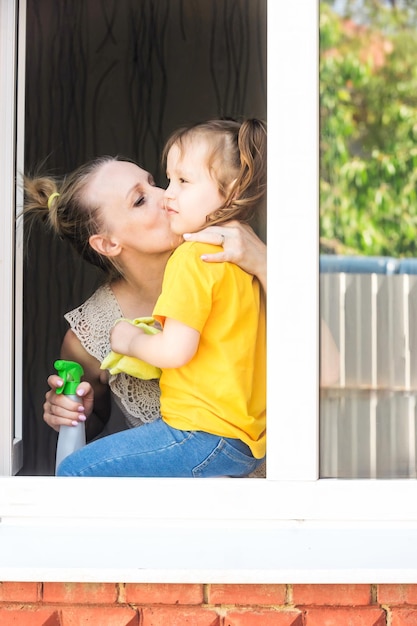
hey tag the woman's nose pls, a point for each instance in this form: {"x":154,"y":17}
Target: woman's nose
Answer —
{"x":172,"y":189}
{"x":161,"y":197}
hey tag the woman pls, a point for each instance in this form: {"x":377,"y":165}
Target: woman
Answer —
{"x":113,"y":214}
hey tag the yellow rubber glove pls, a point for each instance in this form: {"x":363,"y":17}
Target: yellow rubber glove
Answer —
{"x":117,"y":363}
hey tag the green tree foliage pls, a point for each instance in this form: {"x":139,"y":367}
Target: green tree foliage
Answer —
{"x":368,"y":129}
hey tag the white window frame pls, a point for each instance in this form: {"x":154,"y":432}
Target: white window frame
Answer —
{"x":11,"y":156}
{"x":291,"y":527}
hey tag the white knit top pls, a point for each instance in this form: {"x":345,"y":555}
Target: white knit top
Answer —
{"x":91,"y":322}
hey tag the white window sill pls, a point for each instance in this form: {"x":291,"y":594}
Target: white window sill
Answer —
{"x":146,"y":530}
{"x":295,"y":554}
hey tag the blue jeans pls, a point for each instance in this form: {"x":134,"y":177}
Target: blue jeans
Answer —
{"x":157,"y":449}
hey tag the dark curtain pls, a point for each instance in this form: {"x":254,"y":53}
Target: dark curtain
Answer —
{"x":116,"y":77}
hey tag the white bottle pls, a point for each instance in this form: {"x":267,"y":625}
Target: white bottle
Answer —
{"x":70,"y":438}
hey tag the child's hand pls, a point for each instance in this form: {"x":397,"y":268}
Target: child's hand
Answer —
{"x":122,"y":337}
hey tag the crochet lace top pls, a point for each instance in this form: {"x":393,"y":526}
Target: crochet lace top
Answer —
{"x":91,"y":322}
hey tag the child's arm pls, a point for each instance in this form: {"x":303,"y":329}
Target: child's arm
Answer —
{"x":173,"y":347}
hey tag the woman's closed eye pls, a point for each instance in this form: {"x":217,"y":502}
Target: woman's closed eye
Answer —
{"x":139,"y":201}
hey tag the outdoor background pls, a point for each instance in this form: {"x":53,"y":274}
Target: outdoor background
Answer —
{"x":368,"y":237}
{"x":368,"y":127}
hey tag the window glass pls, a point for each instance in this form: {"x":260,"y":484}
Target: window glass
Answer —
{"x":108,"y":79}
{"x":368,"y":239}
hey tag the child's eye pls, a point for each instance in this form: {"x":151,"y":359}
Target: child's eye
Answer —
{"x":182,"y":180}
{"x":139,"y":201}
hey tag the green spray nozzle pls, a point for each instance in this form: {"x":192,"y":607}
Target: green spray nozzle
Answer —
{"x":71,"y":373}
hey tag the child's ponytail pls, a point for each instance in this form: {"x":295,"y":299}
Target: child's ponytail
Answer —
{"x":250,"y":186}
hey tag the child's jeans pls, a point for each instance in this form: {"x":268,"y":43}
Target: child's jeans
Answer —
{"x":157,"y":449}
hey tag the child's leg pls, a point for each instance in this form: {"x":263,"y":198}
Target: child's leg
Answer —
{"x":156,"y":449}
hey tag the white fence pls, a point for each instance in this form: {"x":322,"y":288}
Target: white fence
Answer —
{"x":368,"y":418}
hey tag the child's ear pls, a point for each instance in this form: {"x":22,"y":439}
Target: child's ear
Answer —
{"x":105,"y":246}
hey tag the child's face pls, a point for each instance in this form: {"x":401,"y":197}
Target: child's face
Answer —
{"x":192,"y":193}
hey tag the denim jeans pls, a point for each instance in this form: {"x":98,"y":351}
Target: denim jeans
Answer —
{"x":157,"y":449}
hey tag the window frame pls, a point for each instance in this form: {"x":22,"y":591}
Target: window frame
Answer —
{"x":11,"y":274}
{"x":291,"y":527}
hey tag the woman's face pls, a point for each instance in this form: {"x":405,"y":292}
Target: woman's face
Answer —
{"x":132,"y":208}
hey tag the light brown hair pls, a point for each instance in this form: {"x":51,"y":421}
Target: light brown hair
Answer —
{"x":69,"y":214}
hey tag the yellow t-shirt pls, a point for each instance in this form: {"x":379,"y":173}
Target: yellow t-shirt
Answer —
{"x":222,"y":390}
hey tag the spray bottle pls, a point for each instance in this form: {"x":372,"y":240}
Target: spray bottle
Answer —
{"x":70,"y":438}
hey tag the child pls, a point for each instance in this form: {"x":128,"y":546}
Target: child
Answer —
{"x":212,"y":346}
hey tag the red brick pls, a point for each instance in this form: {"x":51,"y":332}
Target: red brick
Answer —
{"x":97,"y":616}
{"x":179,"y":616}
{"x":246,"y":594}
{"x":80,"y":593}
{"x":33,"y":617}
{"x":19,"y":592}
{"x":404,"y":617}
{"x":164,"y":594}
{"x":331,"y":595}
{"x":397,"y":594}
{"x":263,"y":618}
{"x":353,"y":616}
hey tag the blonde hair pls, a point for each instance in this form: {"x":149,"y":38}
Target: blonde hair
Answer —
{"x":236,"y":161}
{"x":62,"y":205}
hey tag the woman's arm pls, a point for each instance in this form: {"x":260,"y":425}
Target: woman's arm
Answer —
{"x":244,"y":248}
{"x":241,"y":246}
{"x":61,"y":410}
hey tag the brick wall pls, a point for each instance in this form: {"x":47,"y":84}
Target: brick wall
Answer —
{"x":108,"y":604}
